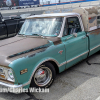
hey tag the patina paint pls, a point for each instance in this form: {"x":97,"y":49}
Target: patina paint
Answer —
{"x":95,"y":32}
{"x":94,"y":41}
{"x":75,"y":46}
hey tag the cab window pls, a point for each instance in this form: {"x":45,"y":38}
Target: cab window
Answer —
{"x":72,"y":25}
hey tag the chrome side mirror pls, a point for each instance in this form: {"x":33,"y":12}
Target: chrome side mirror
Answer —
{"x":75,"y":34}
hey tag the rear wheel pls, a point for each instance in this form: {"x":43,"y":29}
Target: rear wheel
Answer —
{"x":44,"y":76}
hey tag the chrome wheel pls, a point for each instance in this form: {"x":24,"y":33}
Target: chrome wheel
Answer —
{"x":43,"y":76}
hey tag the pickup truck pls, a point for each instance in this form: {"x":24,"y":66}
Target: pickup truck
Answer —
{"x":48,"y":44}
{"x":9,"y":26}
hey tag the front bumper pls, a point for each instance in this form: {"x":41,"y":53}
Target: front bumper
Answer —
{"x":11,"y":87}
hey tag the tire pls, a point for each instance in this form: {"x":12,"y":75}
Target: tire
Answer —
{"x":43,"y":76}
{"x":98,"y":52}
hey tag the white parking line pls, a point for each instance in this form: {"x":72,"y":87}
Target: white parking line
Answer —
{"x":98,"y":98}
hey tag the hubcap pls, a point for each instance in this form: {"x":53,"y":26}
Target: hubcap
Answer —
{"x":43,"y":76}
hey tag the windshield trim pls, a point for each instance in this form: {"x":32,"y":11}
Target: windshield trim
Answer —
{"x":46,"y":35}
{"x":62,"y":27}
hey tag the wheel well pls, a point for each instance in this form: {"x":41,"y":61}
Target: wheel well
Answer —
{"x":55,"y":66}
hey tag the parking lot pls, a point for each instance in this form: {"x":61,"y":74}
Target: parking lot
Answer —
{"x":80,"y":82}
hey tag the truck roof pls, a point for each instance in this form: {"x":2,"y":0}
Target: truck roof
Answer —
{"x":52,"y":15}
{"x":88,"y":16}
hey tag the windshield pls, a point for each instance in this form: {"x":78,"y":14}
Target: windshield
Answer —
{"x":42,"y":27}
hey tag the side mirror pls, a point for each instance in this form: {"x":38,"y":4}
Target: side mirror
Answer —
{"x":3,"y":20}
{"x":75,"y":34}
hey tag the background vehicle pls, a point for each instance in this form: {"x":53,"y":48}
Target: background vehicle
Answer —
{"x":10,"y":25}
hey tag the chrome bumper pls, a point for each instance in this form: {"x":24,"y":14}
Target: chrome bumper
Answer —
{"x":11,"y":86}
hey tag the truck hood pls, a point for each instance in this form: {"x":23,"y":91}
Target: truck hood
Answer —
{"x":13,"y":46}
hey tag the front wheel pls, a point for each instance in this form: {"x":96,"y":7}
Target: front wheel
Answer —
{"x":43,"y":76}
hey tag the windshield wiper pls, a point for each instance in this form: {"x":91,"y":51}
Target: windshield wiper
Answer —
{"x":21,"y":34}
{"x":39,"y":35}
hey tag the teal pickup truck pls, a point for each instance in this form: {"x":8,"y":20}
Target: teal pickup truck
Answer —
{"x":48,"y":44}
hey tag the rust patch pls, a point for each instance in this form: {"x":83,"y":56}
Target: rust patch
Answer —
{"x":56,"y":41}
{"x":27,"y":51}
{"x":95,"y":32}
{"x":36,"y":53}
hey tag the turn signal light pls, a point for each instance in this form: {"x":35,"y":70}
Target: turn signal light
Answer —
{"x":2,"y":76}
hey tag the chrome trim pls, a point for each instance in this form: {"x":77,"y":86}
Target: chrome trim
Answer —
{"x":6,"y":85}
{"x":72,"y":59}
{"x":62,"y":64}
{"x":95,"y":47}
{"x":10,"y":85}
{"x":62,"y":28}
{"x":77,"y":57}
{"x":81,"y":23}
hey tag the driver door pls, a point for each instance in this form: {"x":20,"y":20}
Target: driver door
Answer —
{"x":76,"y":46}
{"x":3,"y":30}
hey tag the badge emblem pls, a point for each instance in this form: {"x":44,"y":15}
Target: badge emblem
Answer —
{"x":60,"y":51}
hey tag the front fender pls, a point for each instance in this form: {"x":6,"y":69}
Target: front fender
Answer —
{"x":31,"y":63}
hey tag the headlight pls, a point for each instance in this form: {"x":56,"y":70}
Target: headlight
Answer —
{"x":6,"y":74}
{"x":10,"y":74}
